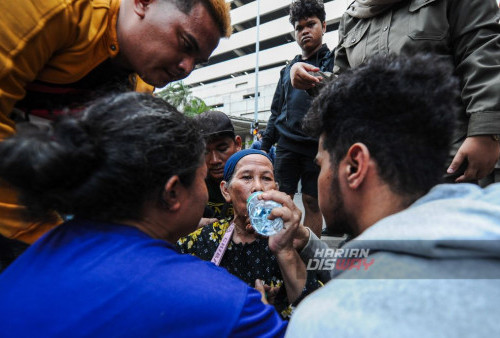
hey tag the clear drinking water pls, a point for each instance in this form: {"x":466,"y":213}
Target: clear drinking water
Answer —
{"x":258,"y":210}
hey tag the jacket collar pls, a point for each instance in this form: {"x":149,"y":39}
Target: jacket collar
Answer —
{"x":363,"y":9}
{"x":322,"y":51}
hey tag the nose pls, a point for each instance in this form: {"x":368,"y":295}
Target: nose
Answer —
{"x":257,"y":185}
{"x":213,"y":158}
{"x":187,"y":65}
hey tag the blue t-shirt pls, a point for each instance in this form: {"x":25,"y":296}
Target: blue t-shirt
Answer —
{"x":101,"y":280}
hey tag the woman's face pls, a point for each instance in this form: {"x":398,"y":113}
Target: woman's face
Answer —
{"x":252,"y":173}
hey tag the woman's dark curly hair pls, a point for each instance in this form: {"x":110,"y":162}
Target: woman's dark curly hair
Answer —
{"x":301,"y":9}
{"x":106,"y":164}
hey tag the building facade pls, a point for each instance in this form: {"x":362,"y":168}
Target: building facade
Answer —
{"x":227,"y":82}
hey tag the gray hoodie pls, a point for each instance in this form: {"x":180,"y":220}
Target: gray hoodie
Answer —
{"x":432,"y":270}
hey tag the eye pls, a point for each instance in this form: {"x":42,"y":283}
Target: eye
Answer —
{"x":267,"y":178}
{"x":247,"y":177}
{"x":186,"y":45}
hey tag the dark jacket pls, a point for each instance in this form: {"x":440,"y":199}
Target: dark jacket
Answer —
{"x":288,"y":109}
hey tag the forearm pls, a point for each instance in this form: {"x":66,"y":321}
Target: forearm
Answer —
{"x":475,"y":37}
{"x":293,"y":271}
{"x":309,"y":251}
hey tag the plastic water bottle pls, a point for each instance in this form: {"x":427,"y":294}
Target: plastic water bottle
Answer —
{"x":258,"y":210}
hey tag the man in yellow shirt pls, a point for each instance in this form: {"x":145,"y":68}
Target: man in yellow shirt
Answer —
{"x":57,"y":54}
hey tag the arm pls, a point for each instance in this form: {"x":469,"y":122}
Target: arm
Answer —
{"x":475,"y":41}
{"x":306,"y":242}
{"x":271,"y":135}
{"x":293,"y":269}
{"x":341,"y":63}
{"x":28,"y":42}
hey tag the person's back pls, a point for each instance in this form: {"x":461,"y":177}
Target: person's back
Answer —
{"x":130,"y":171}
{"x":139,"y":286}
{"x":425,"y":258}
{"x":436,"y":263}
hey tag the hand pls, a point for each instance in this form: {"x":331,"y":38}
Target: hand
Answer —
{"x":206,"y":221}
{"x":291,"y":215}
{"x":301,"y":238}
{"x":481,"y":152}
{"x":300,"y":77}
{"x":268,"y":293}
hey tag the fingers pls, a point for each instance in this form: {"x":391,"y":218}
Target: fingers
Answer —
{"x":289,"y":212}
{"x":279,"y":197}
{"x":300,"y":77}
{"x":259,"y":286}
{"x":456,"y":163}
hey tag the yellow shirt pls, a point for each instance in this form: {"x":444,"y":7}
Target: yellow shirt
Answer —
{"x":55,"y":41}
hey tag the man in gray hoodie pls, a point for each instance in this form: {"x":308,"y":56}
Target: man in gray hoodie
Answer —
{"x":426,"y":257}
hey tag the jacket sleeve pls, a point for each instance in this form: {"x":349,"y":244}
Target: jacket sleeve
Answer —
{"x":475,"y":42}
{"x":271,"y":135}
{"x":309,"y":252}
{"x":257,"y":319}
{"x":340,"y":63}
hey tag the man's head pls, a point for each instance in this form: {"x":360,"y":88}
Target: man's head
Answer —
{"x":163,"y":40}
{"x":221,"y":141}
{"x":308,"y":20}
{"x":385,"y":130}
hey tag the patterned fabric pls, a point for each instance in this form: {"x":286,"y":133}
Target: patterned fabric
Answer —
{"x":216,"y":202}
{"x":247,"y":261}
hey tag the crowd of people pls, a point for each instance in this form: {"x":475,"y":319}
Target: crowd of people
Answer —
{"x":130,"y":218}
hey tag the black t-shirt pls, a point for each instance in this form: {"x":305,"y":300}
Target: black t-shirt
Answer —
{"x":217,"y":206}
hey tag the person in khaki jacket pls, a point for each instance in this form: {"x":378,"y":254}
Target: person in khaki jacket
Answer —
{"x":57,"y":54}
{"x":464,"y":32}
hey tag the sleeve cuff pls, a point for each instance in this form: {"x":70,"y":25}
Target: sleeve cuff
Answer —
{"x":484,"y":123}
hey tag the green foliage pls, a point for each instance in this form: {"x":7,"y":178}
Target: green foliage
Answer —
{"x":179,"y":96}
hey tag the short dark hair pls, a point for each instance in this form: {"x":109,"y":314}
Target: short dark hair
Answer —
{"x":402,"y":108}
{"x":106,"y":164}
{"x":301,"y":9}
{"x":218,"y":9}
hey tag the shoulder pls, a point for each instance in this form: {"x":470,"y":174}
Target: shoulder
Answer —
{"x":211,"y":234}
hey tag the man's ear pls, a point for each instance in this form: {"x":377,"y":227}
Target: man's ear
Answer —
{"x":357,"y":165}
{"x":237,"y":140}
{"x":140,"y":7}
{"x":224,"y":186}
{"x":323,"y":27}
{"x":172,"y":193}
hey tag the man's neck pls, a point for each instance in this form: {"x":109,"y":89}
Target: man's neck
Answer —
{"x":379,"y":203}
{"x":307,"y":54}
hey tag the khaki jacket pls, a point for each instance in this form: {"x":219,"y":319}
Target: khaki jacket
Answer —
{"x":466,"y":32}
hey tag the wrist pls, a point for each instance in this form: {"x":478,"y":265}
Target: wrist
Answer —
{"x":285,"y":254}
{"x":302,"y":237}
